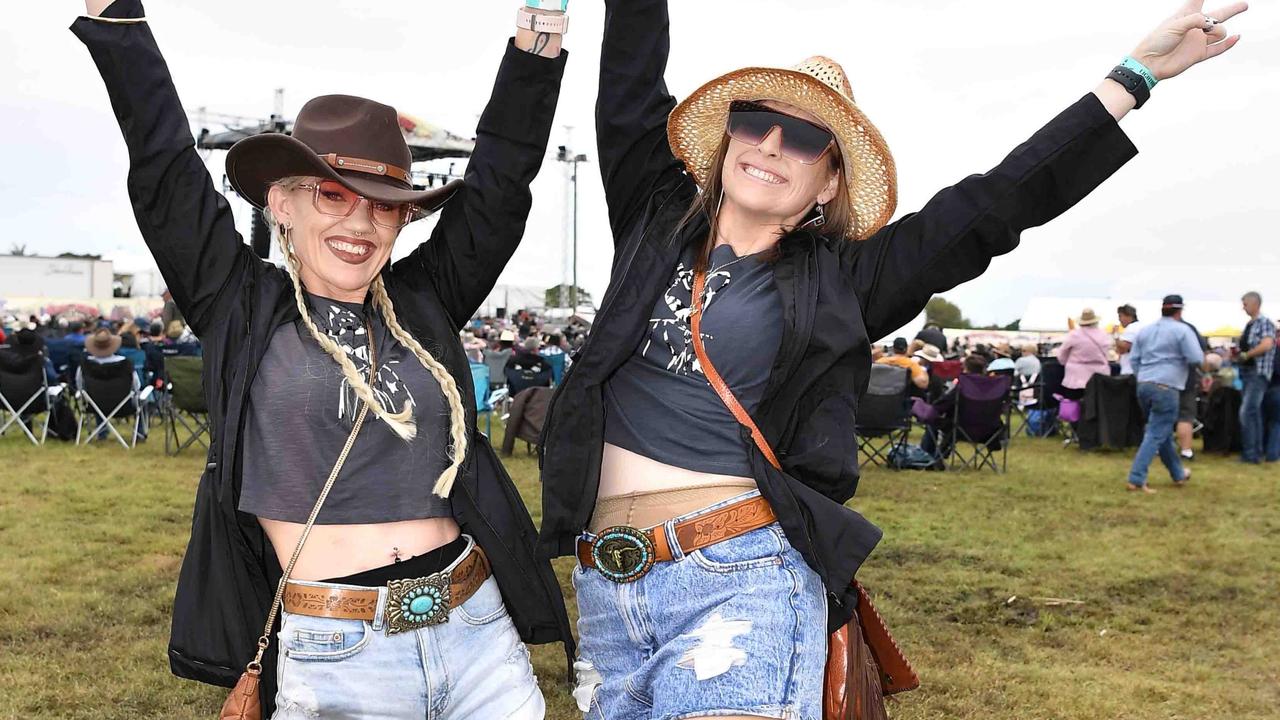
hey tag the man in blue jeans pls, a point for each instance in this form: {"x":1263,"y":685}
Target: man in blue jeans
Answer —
{"x":1257,"y":362}
{"x":1162,"y":354}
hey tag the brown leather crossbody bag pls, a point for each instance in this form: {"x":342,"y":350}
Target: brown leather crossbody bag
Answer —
{"x":864,"y":663}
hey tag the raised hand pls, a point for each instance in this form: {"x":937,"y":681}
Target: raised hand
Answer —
{"x":1189,"y":37}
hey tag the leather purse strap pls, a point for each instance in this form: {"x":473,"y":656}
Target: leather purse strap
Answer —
{"x":255,"y":665}
{"x":713,"y":376}
{"x":897,"y":673}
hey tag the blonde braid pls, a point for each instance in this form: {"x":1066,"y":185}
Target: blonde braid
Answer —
{"x":401,"y":423}
{"x":457,"y":416}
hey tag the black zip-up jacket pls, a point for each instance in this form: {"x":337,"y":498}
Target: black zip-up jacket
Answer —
{"x":837,"y":296}
{"x":234,"y":302}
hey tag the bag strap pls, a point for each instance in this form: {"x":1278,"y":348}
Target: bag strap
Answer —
{"x":255,"y":665}
{"x":897,"y":673}
{"x":713,"y":376}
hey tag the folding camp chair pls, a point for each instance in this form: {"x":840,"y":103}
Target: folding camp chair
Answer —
{"x":1025,"y":395}
{"x":487,"y":400}
{"x":884,"y":415}
{"x":557,"y":363}
{"x":107,"y":385}
{"x":185,"y":405}
{"x":982,"y":418}
{"x":1048,"y":386}
{"x":24,"y":393}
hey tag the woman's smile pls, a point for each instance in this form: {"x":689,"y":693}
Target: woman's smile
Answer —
{"x":350,"y":250}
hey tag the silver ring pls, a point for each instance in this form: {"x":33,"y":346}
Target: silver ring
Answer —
{"x":1209,"y":23}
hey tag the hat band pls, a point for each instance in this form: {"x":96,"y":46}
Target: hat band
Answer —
{"x":373,"y":167}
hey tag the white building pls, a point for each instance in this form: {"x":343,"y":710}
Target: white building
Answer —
{"x":47,"y":277}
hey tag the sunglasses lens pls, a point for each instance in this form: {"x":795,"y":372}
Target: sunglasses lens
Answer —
{"x":333,"y":198}
{"x":749,"y":126}
{"x":802,"y":141}
{"x":391,"y":215}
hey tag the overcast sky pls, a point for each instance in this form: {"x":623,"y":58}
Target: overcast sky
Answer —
{"x":953,"y":86}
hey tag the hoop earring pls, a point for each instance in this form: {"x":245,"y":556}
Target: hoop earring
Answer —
{"x":819,"y":221}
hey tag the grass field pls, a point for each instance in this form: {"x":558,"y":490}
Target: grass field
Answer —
{"x":1175,"y":610}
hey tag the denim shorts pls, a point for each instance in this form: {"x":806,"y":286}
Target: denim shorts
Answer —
{"x":736,"y":628}
{"x":472,"y":666}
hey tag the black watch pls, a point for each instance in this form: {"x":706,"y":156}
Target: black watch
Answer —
{"x":1132,"y":82}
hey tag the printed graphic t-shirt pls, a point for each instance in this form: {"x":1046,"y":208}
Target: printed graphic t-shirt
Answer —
{"x":659,"y":403}
{"x":301,"y":410}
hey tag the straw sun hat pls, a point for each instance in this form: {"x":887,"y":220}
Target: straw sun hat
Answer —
{"x":819,"y":85}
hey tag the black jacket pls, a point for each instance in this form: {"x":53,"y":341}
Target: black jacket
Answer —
{"x":837,"y":296}
{"x":234,"y":301}
{"x":1112,"y":417}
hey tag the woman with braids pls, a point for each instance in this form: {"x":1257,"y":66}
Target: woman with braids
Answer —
{"x":345,"y":455}
{"x":697,"y":458}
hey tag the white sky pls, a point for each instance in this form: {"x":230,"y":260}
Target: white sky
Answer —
{"x":953,"y":86}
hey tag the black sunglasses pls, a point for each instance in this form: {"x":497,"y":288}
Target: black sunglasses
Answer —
{"x":802,"y":141}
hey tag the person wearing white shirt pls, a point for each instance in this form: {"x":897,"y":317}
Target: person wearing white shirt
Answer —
{"x":1129,"y":321}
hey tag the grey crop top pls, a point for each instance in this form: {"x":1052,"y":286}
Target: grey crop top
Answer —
{"x":300,"y":413}
{"x":660,"y":405}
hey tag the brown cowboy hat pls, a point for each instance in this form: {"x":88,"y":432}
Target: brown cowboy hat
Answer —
{"x":102,"y":343}
{"x":354,"y":141}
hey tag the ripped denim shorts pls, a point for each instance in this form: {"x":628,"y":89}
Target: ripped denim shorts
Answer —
{"x":738,"y":627}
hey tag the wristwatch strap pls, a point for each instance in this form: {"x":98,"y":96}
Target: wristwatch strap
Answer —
{"x":1132,"y":82}
{"x":554,"y":24}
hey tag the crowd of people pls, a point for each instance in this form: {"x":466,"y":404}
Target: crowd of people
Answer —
{"x":524,"y":350}
{"x":1173,"y":364}
{"x":64,"y":342}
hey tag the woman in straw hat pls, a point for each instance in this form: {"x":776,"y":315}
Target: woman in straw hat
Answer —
{"x":1084,"y":352}
{"x":751,"y":229}
{"x":341,"y":370}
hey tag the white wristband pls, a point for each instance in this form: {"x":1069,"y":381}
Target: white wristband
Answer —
{"x":554,"y":24}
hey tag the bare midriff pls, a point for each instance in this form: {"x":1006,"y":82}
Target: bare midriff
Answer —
{"x":339,"y":550}
{"x":642,"y":492}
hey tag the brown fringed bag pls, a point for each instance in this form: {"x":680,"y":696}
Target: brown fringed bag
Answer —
{"x":864,"y":663}
{"x":244,"y":702}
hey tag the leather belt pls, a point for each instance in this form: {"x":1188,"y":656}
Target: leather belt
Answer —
{"x":411,"y":604}
{"x":625,"y":554}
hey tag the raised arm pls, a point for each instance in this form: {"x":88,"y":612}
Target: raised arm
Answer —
{"x":953,"y":238}
{"x":186,"y":224}
{"x":480,"y":228}
{"x":632,"y":108}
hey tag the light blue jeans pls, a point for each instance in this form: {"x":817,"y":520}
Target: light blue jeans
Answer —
{"x":1252,"y":429}
{"x":1160,"y":405}
{"x":473,"y":666}
{"x":736,"y":628}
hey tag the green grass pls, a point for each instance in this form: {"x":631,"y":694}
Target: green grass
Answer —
{"x":1177,"y":618}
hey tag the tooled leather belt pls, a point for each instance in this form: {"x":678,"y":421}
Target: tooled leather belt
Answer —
{"x":625,"y":554}
{"x":411,"y":604}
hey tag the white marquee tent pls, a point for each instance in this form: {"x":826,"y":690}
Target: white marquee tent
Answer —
{"x":1211,"y":317}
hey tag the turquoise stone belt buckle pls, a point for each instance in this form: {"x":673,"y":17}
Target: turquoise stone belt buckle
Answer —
{"x":623,"y":554}
{"x":417,"y":603}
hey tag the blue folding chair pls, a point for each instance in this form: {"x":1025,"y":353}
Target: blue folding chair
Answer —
{"x":480,"y":382}
{"x":556,"y":361}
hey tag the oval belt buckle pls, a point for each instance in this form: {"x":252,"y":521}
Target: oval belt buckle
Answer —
{"x":623,"y":554}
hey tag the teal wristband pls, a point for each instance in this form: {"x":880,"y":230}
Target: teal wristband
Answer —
{"x":561,"y":5}
{"x":1141,"y":69}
